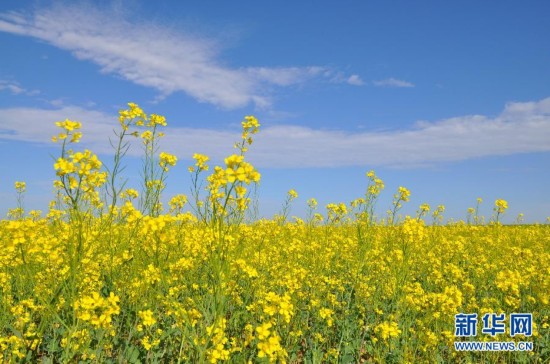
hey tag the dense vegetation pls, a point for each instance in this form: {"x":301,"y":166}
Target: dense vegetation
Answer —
{"x":109,"y":274}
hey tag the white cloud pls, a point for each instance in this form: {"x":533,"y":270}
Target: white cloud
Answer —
{"x":37,"y":125}
{"x":340,"y":77}
{"x":16,"y":89}
{"x":355,"y":80}
{"x":522,"y":127}
{"x":13,"y":88}
{"x":284,"y":76}
{"x":393,"y":82}
{"x":155,"y":56}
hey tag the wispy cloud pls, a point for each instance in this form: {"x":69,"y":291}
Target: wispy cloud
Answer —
{"x":355,"y":80}
{"x":154,"y":55}
{"x":16,"y":89}
{"x":340,"y":77}
{"x":392,"y":82}
{"x":521,"y":127}
{"x":37,"y":125}
{"x":284,"y":76}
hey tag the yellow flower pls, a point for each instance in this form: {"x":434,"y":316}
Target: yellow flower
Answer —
{"x":63,"y":167}
{"x":404,"y":194}
{"x":263,"y":331}
{"x":130,"y":193}
{"x":157,"y":120}
{"x":250,"y":124}
{"x":177,"y":202}
{"x":326,"y":313}
{"x":387,"y":330}
{"x":76,"y":137}
{"x":96,"y":310}
{"x":425,"y":207}
{"x":20,"y":187}
{"x":166,"y":160}
{"x":148,"y":344}
{"x":201,"y":160}
{"x":69,"y":125}
{"x":312,"y":203}
{"x":501,"y":206}
{"x":147,"y":136}
{"x":147,"y":318}
{"x":233,"y":161}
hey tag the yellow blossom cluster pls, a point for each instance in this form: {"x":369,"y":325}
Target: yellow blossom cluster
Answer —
{"x":69,"y":128}
{"x":501,"y":206}
{"x":97,"y":310}
{"x":387,"y":330}
{"x":166,"y":160}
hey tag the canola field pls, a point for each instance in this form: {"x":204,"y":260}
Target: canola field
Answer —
{"x":111,"y":275}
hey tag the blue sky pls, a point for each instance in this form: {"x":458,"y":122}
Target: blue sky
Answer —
{"x":451,"y":100}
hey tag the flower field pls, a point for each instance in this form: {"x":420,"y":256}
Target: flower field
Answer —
{"x":110,"y":274}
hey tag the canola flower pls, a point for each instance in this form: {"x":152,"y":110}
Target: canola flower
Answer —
{"x":166,"y":159}
{"x":293,"y":194}
{"x":20,"y":187}
{"x":387,"y":330}
{"x":201,"y":162}
{"x":500,"y":207}
{"x":108,"y":275}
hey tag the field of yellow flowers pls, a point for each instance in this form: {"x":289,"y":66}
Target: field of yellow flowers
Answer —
{"x":109,"y":274}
